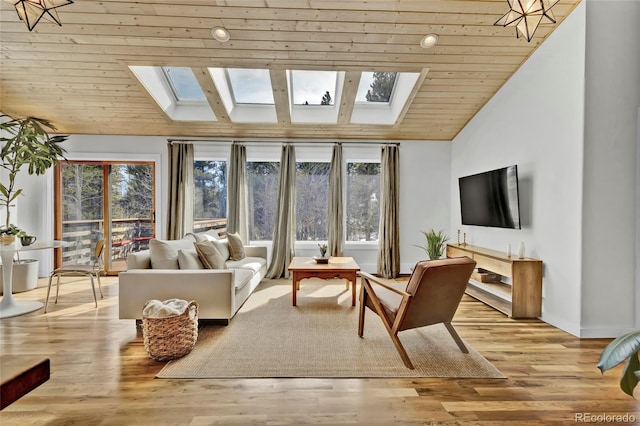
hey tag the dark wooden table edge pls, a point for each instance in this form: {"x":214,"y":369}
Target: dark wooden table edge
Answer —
{"x":24,"y":382}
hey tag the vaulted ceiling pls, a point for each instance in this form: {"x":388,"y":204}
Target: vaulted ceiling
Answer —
{"x":78,"y":75}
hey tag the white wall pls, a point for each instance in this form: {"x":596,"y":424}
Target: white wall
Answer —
{"x":425,"y":198}
{"x":610,"y":160}
{"x":536,"y":121}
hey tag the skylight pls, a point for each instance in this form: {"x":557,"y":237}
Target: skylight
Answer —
{"x":314,"y":87}
{"x":250,"y":86}
{"x":246,"y":94}
{"x":386,"y":100}
{"x":183,"y":84}
{"x":178,"y":103}
{"x":376,"y":87}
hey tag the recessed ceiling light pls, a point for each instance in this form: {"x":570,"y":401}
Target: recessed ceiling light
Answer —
{"x":221,"y":34}
{"x":429,"y":41}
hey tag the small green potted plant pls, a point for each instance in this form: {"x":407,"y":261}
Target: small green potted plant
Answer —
{"x":9,"y":233}
{"x":323,"y":254}
{"x":435,"y":243}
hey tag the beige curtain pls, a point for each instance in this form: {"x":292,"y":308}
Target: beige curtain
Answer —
{"x":336,"y":215}
{"x":181,"y":187}
{"x":284,"y":231}
{"x":238,"y":218}
{"x":389,"y":241}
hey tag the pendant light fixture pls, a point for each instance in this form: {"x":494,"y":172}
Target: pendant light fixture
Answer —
{"x":31,"y":11}
{"x":526,"y":15}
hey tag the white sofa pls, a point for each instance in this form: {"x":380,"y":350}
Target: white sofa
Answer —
{"x":219,"y":292}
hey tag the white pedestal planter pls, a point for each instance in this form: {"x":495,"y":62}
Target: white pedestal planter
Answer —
{"x":25,"y":275}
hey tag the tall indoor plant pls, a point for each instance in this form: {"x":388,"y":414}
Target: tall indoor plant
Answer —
{"x":25,"y":143}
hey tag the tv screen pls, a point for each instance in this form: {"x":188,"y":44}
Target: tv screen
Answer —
{"x":491,"y":198}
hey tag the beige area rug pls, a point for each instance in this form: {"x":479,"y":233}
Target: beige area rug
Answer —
{"x":269,"y":337}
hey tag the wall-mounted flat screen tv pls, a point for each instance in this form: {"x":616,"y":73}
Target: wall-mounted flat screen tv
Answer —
{"x":491,"y":198}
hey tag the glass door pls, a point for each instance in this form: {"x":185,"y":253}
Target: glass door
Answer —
{"x":98,"y":200}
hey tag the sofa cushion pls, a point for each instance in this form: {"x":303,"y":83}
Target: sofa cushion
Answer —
{"x":209,"y":255}
{"x":236,"y":247}
{"x":253,"y":264}
{"x":189,"y":259}
{"x":209,"y":235}
{"x":241,"y":278}
{"x":223,"y":248}
{"x":164,"y":253}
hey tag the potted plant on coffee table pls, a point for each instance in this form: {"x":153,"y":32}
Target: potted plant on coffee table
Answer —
{"x":25,"y":144}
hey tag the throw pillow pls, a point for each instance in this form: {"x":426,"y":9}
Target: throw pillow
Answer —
{"x":189,"y":259}
{"x":164,"y":253}
{"x":223,"y":248}
{"x":209,"y":255}
{"x":236,"y":247}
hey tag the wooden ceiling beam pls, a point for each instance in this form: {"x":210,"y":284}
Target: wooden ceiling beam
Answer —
{"x":211,"y":92}
{"x":348,"y":97}
{"x":281,"y":95}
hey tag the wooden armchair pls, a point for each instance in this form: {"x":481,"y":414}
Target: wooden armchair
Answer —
{"x":431,"y":296}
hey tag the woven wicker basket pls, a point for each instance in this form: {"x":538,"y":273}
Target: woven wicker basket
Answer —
{"x":172,"y":337}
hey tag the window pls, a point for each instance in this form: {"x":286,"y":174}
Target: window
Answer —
{"x":363,"y":201}
{"x":376,"y":87}
{"x":250,"y":86}
{"x":312,"y":199}
{"x":183,"y":83}
{"x":210,"y":194}
{"x":263,"y":179}
{"x":313,"y":87}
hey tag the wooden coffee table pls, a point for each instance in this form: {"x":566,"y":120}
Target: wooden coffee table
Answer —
{"x":338,"y":267}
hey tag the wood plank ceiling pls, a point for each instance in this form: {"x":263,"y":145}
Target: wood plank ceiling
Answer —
{"x":77,"y":75}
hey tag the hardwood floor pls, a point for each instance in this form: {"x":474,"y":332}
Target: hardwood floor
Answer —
{"x":101,"y":375}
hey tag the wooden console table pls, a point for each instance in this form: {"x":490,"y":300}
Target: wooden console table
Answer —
{"x":520,"y":299}
{"x":19,"y":375}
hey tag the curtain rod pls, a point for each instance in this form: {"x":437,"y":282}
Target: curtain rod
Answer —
{"x":280,"y":141}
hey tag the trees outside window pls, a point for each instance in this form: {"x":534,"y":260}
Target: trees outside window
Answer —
{"x":263,"y":179}
{"x":130,"y":182}
{"x":312,"y":194}
{"x":82,"y":191}
{"x":381,"y":87}
{"x":363,"y":201}
{"x":312,"y":199}
{"x":210,"y":195}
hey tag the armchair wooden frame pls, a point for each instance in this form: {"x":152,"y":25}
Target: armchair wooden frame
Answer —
{"x":397,"y":321}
